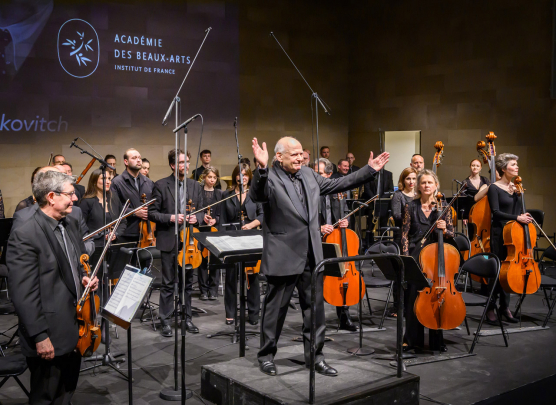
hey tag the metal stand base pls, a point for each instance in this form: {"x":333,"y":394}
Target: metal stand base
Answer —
{"x":169,"y":394}
{"x":494,"y":332}
{"x":107,"y":360}
{"x":393,"y":357}
{"x":360,"y":351}
{"x":431,"y":359}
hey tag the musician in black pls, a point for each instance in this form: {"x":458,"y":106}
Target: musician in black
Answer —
{"x":29,"y":201}
{"x":475,"y":181}
{"x":505,"y":206}
{"x":231,"y":212}
{"x":419,"y":216}
{"x":208,"y":280}
{"x":131,"y":185}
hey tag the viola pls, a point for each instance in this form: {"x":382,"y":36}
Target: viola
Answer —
{"x":440,"y":306}
{"x":206,"y":252}
{"x":520,"y":272}
{"x":193,"y":255}
{"x":146,"y":229}
{"x":345,"y":290}
{"x":87,"y":309}
{"x":480,"y":213}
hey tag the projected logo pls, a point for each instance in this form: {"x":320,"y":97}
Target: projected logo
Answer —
{"x":78,"y":48}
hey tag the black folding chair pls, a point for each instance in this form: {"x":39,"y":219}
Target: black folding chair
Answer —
{"x":548,"y":283}
{"x":13,"y":366}
{"x":463,"y":244}
{"x":376,"y":282}
{"x":146,"y":258}
{"x":483,"y":265}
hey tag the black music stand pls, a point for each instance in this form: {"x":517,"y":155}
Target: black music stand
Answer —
{"x":239,"y":258}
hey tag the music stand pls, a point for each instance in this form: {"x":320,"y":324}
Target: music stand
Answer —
{"x":238,"y":257}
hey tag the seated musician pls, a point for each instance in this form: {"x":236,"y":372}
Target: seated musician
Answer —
{"x":45,"y":251}
{"x":419,"y":215}
{"x":91,"y":205}
{"x":505,"y":206}
{"x":208,"y":280}
{"x":230,"y":212}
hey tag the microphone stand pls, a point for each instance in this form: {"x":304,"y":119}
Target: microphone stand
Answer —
{"x":360,"y":351}
{"x":107,"y":359}
{"x":314,"y":96}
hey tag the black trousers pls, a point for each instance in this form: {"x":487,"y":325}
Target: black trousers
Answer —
{"x":53,"y":381}
{"x":166,"y":301}
{"x":415,"y":332}
{"x":253,"y":295}
{"x":275,"y":309}
{"x":498,"y":248}
{"x":208,"y":279}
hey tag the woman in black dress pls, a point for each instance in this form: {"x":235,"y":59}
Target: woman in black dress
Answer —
{"x":475,"y":181}
{"x":230,"y":212}
{"x":29,"y":201}
{"x":91,"y":206}
{"x":419,"y":215}
{"x":208,"y":280}
{"x":505,"y":206}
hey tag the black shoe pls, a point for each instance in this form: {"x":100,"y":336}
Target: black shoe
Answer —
{"x":416,"y":349}
{"x":507,"y":315}
{"x":190,"y":327}
{"x":295,"y":294}
{"x":212,"y":297}
{"x":229,"y":321}
{"x":322,"y":368}
{"x":254,"y":322}
{"x":443,"y":349}
{"x":203,"y":297}
{"x":268,"y":367}
{"x":347,"y":324}
{"x":166,"y":331}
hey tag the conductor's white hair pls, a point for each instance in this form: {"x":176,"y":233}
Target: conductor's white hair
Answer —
{"x":281,"y":146}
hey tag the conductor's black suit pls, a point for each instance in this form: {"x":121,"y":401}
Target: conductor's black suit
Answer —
{"x":292,"y":246}
{"x":44,"y":291}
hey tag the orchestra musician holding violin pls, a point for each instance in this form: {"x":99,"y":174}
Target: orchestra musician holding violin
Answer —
{"x":162,"y":212}
{"x":290,"y":194}
{"x":505,"y":205}
{"x":243,"y":210}
{"x":419,"y":216}
{"x":208,"y":280}
{"x":45,"y":281}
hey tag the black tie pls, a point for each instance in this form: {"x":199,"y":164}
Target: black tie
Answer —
{"x":298,"y":185}
{"x":70,"y":253}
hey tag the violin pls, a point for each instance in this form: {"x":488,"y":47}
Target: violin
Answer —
{"x":440,"y":306}
{"x":437,"y":161}
{"x":193,"y":255}
{"x":345,"y":290}
{"x":480,"y":213}
{"x":146,"y":230}
{"x":520,"y":272}
{"x":206,"y":252}
{"x":253,"y":269}
{"x":87,"y":308}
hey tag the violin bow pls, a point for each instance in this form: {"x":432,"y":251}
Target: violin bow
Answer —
{"x":444,"y":211}
{"x":355,"y":210}
{"x":216,"y":203}
{"x":106,"y":246}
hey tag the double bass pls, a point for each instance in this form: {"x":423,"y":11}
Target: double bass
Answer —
{"x":146,"y":230}
{"x":440,"y":306}
{"x":437,"y":161}
{"x":519,"y":272}
{"x":344,"y":291}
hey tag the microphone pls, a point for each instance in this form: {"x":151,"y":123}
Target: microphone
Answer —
{"x":389,"y":228}
{"x":459,"y":182}
{"x":73,"y":143}
{"x":208,"y":29}
{"x":186,"y":123}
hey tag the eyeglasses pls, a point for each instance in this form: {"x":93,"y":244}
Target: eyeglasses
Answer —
{"x":70,"y":194}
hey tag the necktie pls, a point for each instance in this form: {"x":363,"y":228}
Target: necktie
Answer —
{"x":137,"y":183}
{"x":328,"y":211}
{"x":69,"y":253}
{"x":296,"y":180}
{"x":181,"y":198}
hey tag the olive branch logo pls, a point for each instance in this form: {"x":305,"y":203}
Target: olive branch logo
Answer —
{"x":77,"y":52}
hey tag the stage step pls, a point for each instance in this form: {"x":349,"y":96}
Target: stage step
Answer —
{"x":360,"y":381}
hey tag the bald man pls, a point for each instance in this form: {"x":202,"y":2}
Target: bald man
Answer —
{"x":290,"y":193}
{"x":417,"y":162}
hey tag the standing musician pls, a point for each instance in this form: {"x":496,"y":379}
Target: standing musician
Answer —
{"x":130,"y":185}
{"x":332,"y":210}
{"x":79,"y":189}
{"x":111,"y":160}
{"x":475,"y":181}
{"x":29,"y":201}
{"x":417,"y":162}
{"x":292,"y":244}
{"x":208,"y":280}
{"x":351,"y":158}
{"x":45,"y":278}
{"x":231,"y":212}
{"x":145,"y":167}
{"x":505,"y":206}
{"x":91,"y":204}
{"x":419,"y":215}
{"x":163,"y":213}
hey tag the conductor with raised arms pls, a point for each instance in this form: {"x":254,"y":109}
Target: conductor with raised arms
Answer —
{"x":292,"y":244}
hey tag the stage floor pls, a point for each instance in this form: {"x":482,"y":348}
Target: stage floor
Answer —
{"x":494,"y":370}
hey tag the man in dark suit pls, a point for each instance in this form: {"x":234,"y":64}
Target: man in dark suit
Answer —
{"x":163,"y":213}
{"x":44,"y":252}
{"x":351,"y":158}
{"x":292,"y":244}
{"x":325,"y":153}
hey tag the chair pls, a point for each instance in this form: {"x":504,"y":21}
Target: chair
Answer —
{"x":146,"y":257}
{"x":463,"y":245}
{"x":538,"y":216}
{"x":548,"y":283}
{"x":483,"y":265}
{"x":11,"y":367}
{"x":549,"y":253}
{"x":376,"y":282}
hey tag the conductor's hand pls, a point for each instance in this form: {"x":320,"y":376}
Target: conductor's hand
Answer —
{"x":261,"y":154}
{"x":180,"y":218}
{"x":344,"y":223}
{"x":525,"y":218}
{"x":143,"y":213}
{"x":379,"y":162}
{"x":326,"y":229}
{"x":192,"y":219}
{"x":45,"y":350}
{"x":441,"y":225}
{"x":94,"y":282}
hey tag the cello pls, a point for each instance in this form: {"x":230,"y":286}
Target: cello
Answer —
{"x":345,"y":290}
{"x":519,"y":272}
{"x":146,"y":230}
{"x":89,"y":329}
{"x":193,"y":255}
{"x":440,"y":306}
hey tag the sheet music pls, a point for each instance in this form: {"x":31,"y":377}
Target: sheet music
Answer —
{"x":235,"y":243}
{"x":128,"y":294}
